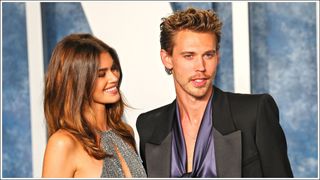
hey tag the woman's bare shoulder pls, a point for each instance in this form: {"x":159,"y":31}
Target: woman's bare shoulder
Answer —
{"x":60,"y":155}
{"x":63,"y":140}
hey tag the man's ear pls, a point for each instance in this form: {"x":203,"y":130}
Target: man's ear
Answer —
{"x":166,"y":59}
{"x":218,"y":57}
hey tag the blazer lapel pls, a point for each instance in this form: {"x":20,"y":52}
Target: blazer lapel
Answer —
{"x":227,"y":139}
{"x":158,"y":159}
{"x":228,"y":153}
{"x":158,"y":148}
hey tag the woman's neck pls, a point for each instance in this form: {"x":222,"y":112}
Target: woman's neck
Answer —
{"x":100,"y":118}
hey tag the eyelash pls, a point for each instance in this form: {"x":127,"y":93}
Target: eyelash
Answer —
{"x":103,"y":73}
{"x":188,"y":56}
{"x":209,"y":55}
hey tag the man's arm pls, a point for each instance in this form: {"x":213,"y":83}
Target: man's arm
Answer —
{"x":271,"y":141}
{"x":140,"y":127}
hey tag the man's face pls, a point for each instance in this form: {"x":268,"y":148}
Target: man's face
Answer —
{"x":193,"y":62}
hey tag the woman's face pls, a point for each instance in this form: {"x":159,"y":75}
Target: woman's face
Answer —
{"x":106,"y":86}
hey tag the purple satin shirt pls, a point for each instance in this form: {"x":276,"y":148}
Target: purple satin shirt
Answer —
{"x":204,"y":163}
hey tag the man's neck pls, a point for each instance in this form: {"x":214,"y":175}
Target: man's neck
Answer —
{"x":191,"y":111}
{"x":191,"y":108}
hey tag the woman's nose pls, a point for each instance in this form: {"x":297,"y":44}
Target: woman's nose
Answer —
{"x":113,"y":76}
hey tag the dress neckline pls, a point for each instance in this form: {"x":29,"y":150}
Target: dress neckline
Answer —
{"x":103,"y":132}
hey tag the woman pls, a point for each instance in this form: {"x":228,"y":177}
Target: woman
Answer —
{"x":83,"y":109}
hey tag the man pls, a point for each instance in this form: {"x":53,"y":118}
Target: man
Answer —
{"x":206,"y":132}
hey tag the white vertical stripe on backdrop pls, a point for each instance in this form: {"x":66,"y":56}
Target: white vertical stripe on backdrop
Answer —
{"x":241,"y":47}
{"x":36,"y":78}
{"x":132,"y":28}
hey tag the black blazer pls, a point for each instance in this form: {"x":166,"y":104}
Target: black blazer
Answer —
{"x":248,"y":139}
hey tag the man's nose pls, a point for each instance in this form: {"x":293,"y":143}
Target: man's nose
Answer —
{"x":200,"y":64}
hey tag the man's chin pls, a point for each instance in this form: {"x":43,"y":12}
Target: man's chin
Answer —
{"x":201,"y":93}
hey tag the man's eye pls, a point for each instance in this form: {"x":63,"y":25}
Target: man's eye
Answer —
{"x":209,"y":55}
{"x":188,"y":56}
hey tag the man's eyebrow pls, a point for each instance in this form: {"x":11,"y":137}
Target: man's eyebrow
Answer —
{"x":211,"y":51}
{"x":191,"y":52}
{"x":187,"y":52}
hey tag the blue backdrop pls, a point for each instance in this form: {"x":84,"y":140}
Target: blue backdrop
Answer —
{"x":283,"y":63}
{"x":16,"y":135}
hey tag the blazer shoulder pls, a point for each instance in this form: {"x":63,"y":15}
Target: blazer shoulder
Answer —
{"x":250,"y":99}
{"x":147,"y":117}
{"x":247,"y":108}
{"x":147,"y":121}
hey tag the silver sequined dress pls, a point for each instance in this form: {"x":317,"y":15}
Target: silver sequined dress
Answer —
{"x":111,"y":165}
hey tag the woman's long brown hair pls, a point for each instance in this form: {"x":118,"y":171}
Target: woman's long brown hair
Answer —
{"x":69,"y":86}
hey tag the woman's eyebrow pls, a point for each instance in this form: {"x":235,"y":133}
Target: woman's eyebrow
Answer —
{"x":103,"y":69}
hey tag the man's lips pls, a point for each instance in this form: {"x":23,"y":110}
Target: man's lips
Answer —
{"x":199,"y":82}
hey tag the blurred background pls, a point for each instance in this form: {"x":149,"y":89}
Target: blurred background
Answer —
{"x":266,"y":47}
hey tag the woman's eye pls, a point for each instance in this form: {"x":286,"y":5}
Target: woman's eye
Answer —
{"x":101,"y":74}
